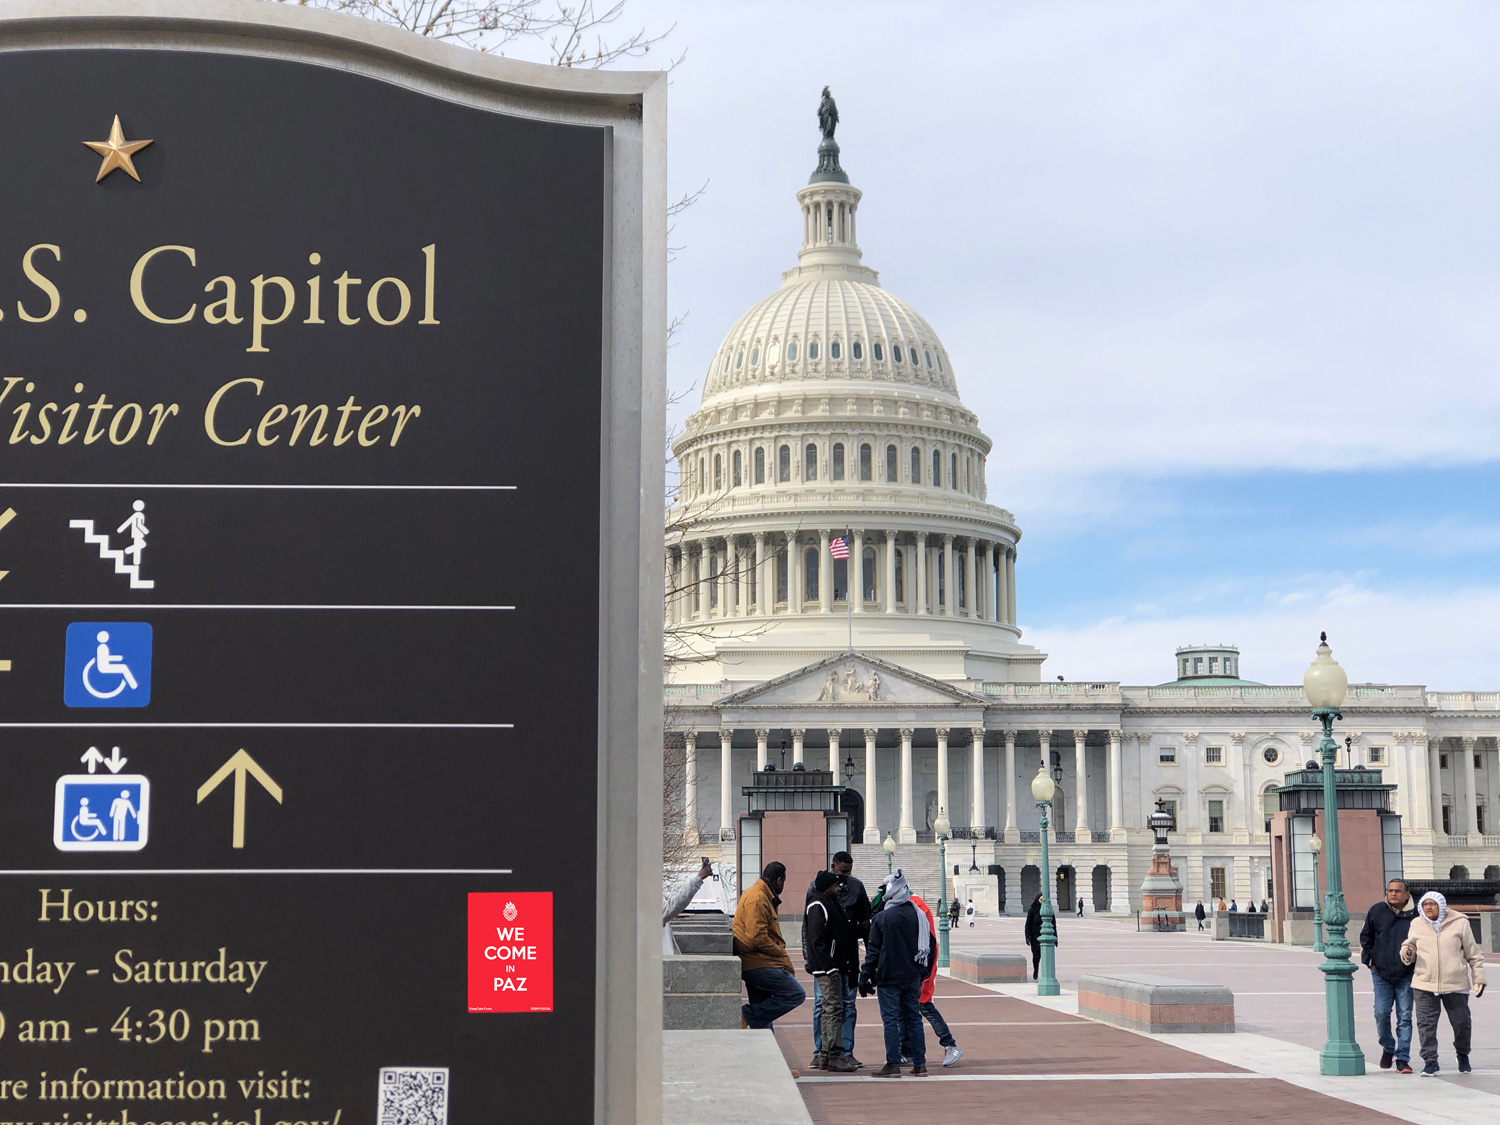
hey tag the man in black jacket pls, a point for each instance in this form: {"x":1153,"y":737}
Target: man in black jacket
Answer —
{"x":1380,"y":941}
{"x":855,"y":900}
{"x":897,"y":954}
{"x":831,"y":955}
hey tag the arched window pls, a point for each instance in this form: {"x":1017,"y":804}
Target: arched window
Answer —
{"x":928,"y":356}
{"x":838,"y":461}
{"x":791,"y":351}
{"x":760,"y":466}
{"x":755,"y":357}
{"x":713,"y":580}
{"x":960,"y":592}
{"x":858,"y":349}
{"x":900,"y":575}
{"x":916,"y":465}
{"x":812,"y":349}
{"x":702,"y":475}
{"x":937,"y":469}
{"x":879,"y":353}
{"x":890,"y":463}
{"x":866,"y":465}
{"x":810,"y":463}
{"x":953,"y":470}
{"x":834,"y":350}
{"x":810,"y":574}
{"x":913,"y":357}
{"x":781,"y":575}
{"x":739,"y":360}
{"x":940,"y":360}
{"x":840,"y":577}
{"x":867,"y":577}
{"x":718,"y":471}
{"x":942,"y":578}
{"x":784,"y":464}
{"x":738,"y":472}
{"x":896,"y":353}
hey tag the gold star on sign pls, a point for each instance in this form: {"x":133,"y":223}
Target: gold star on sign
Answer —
{"x":117,"y":152}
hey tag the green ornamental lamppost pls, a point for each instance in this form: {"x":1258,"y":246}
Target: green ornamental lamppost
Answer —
{"x":1315,"y":845}
{"x":1326,"y":685}
{"x":1042,"y":790}
{"x":942,"y":828}
{"x":890,"y":852}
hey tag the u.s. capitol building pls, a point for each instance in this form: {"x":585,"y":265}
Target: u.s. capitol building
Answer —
{"x":831,"y":411}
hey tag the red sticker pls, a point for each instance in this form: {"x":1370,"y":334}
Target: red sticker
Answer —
{"x":510,"y":952}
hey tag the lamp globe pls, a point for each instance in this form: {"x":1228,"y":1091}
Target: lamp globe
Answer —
{"x":1324,"y":681}
{"x":1042,"y":786}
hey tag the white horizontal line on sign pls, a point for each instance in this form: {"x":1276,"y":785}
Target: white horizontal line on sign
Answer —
{"x":248,"y":605}
{"x":267,"y":871}
{"x":351,"y":487}
{"x":271,"y":726}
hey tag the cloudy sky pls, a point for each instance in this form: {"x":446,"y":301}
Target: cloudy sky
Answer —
{"x":1221,"y":281}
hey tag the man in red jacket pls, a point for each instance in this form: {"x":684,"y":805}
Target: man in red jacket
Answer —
{"x":951,"y":1050}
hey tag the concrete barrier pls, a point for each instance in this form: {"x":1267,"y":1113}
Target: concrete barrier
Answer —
{"x":981,"y":967}
{"x":700,"y":992}
{"x":1143,"y":1002}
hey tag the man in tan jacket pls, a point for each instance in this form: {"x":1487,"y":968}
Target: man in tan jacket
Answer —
{"x":1448,"y":964}
{"x":764,"y":965}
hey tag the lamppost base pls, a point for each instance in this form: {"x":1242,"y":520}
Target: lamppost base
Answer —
{"x":1341,"y":1059}
{"x":1052,"y":988}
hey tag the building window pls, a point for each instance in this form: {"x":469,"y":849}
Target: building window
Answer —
{"x":1377,"y":755}
{"x":1217,"y":884}
{"x":1447,"y":820}
{"x":916,"y":465}
{"x":942,"y":579}
{"x":1213,"y":665}
{"x":810,"y":570}
{"x":760,"y":466}
{"x":1184,"y":671}
{"x":890,"y":463}
{"x":840,"y":580}
{"x":754,"y":357}
{"x":833,"y":350}
{"x":791,"y":351}
{"x":1271,"y":754}
{"x":838,"y":461}
{"x":739,"y":360}
{"x":913,"y":357}
{"x":900,"y":575}
{"x":937,"y":469}
{"x":1170,"y":805}
{"x":713,"y":580}
{"x":896,"y":353}
{"x":1216,"y":816}
{"x":928,"y":356}
{"x":1270,"y":805}
{"x":718,"y":471}
{"x":879,"y":353}
{"x":960,"y":593}
{"x":866,"y":466}
{"x":858,"y":349}
{"x":953,"y":470}
{"x":1442,"y":761}
{"x":812,"y":349}
{"x":1478,"y":762}
{"x":781,"y":575}
{"x":1479,"y":818}
{"x":784,"y":464}
{"x":1213,"y":755}
{"x":940,"y":361}
{"x":738,"y":475}
{"x":1167,"y":755}
{"x":810,"y":463}
{"x":867,"y":579}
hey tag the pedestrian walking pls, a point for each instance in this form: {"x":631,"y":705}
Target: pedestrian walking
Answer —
{"x":1080,"y":908}
{"x":1234,"y":907}
{"x":1200,"y":914}
{"x":951,"y":1051}
{"x":1265,"y":907}
{"x":1387,"y":926}
{"x":1448,"y":964}
{"x":897,"y":956}
{"x":678,"y":903}
{"x":1251,"y":908}
{"x":1034,"y":935}
{"x":855,"y":901}
{"x":831,"y":955}
{"x":764,"y":965}
{"x":969,"y":912}
{"x":954,"y":909}
{"x":1220,"y":908}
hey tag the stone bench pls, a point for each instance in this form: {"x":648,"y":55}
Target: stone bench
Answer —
{"x":700,"y":992}
{"x":703,"y":934}
{"x":1143,"y":1002}
{"x":982,"y":967}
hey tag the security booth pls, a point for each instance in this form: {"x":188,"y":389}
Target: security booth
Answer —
{"x":1369,"y":847}
{"x":795,"y":816}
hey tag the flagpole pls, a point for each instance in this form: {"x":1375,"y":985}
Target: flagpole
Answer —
{"x":849,"y":585}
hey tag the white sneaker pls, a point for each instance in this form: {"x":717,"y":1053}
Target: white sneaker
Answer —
{"x":952,"y":1055}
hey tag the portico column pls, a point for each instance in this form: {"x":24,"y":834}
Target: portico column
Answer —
{"x":762,"y":599}
{"x":872,"y":787}
{"x":1010,"y":584}
{"x":1420,"y":797}
{"x":1012,"y":833}
{"x":942,"y":769}
{"x":857,"y":575}
{"x":1080,"y":763}
{"x":726,"y":786}
{"x":761,"y":735}
{"x":797,"y":747}
{"x":1116,"y":788}
{"x":732,"y":585}
{"x":1471,"y":794}
{"x":1434,"y":777}
{"x":702,"y":590}
{"x":825,"y":573}
{"x":906,"y":832}
{"x":794,"y":580}
{"x":690,"y":793}
{"x":976,"y":814}
{"x":971,"y":583}
{"x":833,"y":753}
{"x":920,"y":594}
{"x":949,"y":585}
{"x":890,"y":572}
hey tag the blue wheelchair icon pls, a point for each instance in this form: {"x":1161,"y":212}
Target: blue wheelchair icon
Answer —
{"x":107,"y":664}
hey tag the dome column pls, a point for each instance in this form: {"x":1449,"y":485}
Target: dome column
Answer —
{"x":890,"y":572}
{"x":856,"y":574}
{"x":825,"y":573}
{"x":702,"y":591}
{"x":991,"y":584}
{"x":971,"y":582}
{"x":762,"y":604}
{"x":920,"y":594}
{"x":1010,"y":584}
{"x":732,"y":579}
{"x":723,"y":580}
{"x":950,"y":587}
{"x":794,"y":580}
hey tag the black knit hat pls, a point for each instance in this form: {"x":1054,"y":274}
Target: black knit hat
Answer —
{"x":824,"y":880}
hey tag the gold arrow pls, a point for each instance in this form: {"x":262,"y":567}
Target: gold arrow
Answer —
{"x":239,"y":765}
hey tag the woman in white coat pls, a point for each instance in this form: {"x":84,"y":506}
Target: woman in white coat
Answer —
{"x":1448,"y":965}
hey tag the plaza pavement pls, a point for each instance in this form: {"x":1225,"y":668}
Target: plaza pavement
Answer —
{"x":1029,"y":1058}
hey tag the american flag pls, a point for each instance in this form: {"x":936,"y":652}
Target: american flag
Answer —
{"x":839,"y":548}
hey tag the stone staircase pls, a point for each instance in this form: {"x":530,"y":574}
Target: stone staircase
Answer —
{"x":918,"y":861}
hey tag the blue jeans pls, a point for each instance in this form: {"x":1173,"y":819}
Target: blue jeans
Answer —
{"x":1399,"y":995}
{"x":901,"y":1015}
{"x":851,"y":994}
{"x":773,"y":993}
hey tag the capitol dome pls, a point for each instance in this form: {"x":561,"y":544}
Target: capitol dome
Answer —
{"x":830,"y":413}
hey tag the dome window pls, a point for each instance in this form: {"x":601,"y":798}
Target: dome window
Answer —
{"x":834,"y":351}
{"x":760,"y":466}
{"x":755,"y":357}
{"x":953,"y":470}
{"x":812,"y":349}
{"x":738,"y":472}
{"x":913,"y":357}
{"x":718,"y":471}
{"x":866,"y":462}
{"x":867,"y":575}
{"x":810,"y":574}
{"x":916,"y":465}
{"x":937,"y":469}
{"x":791,"y":352}
{"x":739,"y":360}
{"x":857,"y":349}
{"x":784,"y":464}
{"x":838,"y":461}
{"x":890,"y":464}
{"x":810,"y":463}
{"x":940,"y":360}
{"x":879,"y":354}
{"x":896,"y":353}
{"x":928,"y":356}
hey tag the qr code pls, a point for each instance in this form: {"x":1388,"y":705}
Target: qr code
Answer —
{"x":413,"y":1095}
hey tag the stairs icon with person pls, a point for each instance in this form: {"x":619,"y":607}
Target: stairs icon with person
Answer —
{"x":135,"y":524}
